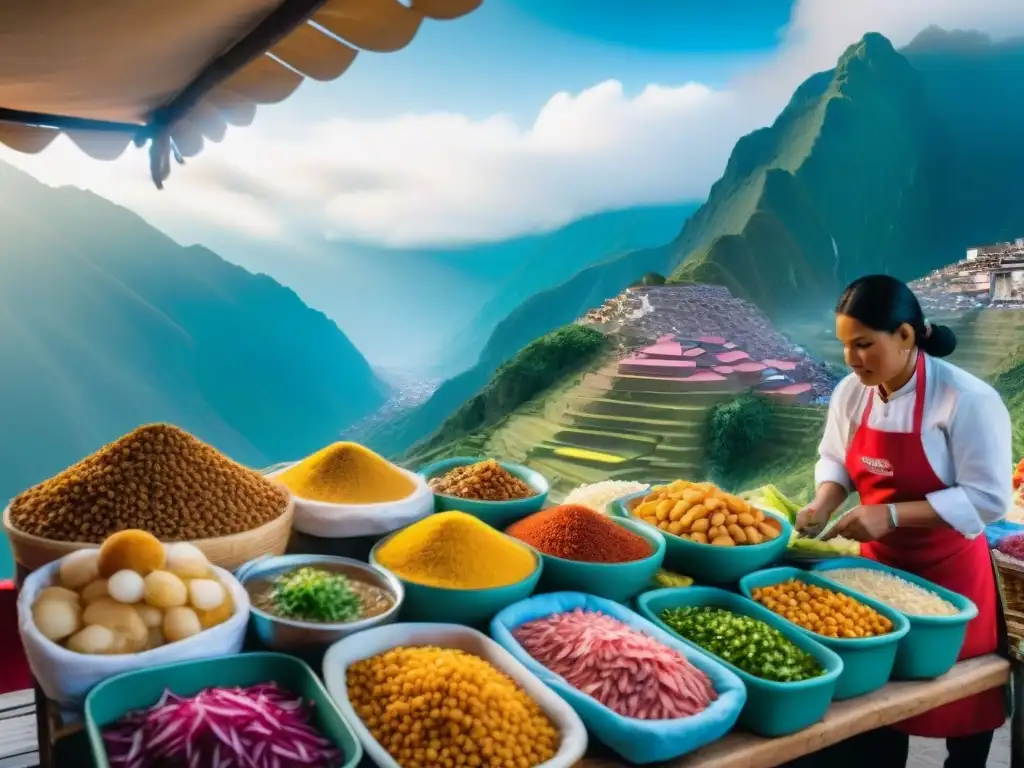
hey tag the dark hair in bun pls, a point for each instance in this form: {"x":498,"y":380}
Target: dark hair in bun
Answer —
{"x":883,"y":303}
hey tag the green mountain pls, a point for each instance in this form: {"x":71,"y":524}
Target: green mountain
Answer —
{"x":432,"y":295}
{"x":541,"y":313}
{"x":105,"y":323}
{"x":892,"y":162}
{"x":583,"y":256}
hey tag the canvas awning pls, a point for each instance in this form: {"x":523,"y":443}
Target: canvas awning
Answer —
{"x":175,"y":73}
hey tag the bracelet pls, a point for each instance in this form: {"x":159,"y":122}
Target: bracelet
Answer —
{"x":892,"y":516}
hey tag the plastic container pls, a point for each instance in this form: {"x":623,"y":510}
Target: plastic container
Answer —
{"x":375,"y":641}
{"x":615,"y":581}
{"x":772,"y":708}
{"x":66,"y":677}
{"x":638,"y":741}
{"x":347,"y":521}
{"x":473,"y":607}
{"x":716,"y":565}
{"x":141,"y":689}
{"x":497,"y":514}
{"x":867,"y":661}
{"x":933,"y":644}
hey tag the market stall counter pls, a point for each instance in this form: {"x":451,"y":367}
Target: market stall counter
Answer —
{"x":485,"y":585}
{"x":891,"y":704}
{"x":68,"y":747}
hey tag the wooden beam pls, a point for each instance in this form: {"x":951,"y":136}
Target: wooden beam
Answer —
{"x":269,"y":32}
{"x":66,"y":123}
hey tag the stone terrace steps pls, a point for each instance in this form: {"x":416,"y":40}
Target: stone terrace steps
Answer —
{"x":633,"y":424}
{"x":637,"y":409}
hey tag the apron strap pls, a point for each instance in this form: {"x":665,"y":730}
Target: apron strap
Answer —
{"x":920,"y":389}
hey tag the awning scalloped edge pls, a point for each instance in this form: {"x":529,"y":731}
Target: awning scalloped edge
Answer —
{"x":314,"y":39}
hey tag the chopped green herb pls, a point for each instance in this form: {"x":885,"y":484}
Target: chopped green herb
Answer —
{"x":753,"y":646}
{"x":313,"y":594}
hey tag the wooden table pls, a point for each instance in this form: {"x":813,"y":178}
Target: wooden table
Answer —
{"x":63,"y":744}
{"x":18,"y":730}
{"x":891,"y":704}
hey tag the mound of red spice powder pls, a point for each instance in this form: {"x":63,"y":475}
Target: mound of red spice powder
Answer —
{"x":575,"y":532}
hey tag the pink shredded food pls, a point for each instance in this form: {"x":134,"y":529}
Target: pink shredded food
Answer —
{"x":261,"y":726}
{"x":630,"y":673}
{"x":1012,"y":546}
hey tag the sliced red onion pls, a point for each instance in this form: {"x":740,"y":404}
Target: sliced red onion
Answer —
{"x":257,"y":727}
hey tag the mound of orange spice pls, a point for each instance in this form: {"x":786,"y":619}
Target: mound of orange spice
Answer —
{"x":575,"y":532}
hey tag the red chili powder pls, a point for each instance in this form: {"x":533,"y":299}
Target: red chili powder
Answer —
{"x":574,"y":532}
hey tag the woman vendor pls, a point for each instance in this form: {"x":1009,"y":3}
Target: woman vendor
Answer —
{"x":927,"y":446}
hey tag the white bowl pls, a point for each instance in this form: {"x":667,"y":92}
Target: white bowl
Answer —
{"x":345,"y":521}
{"x":66,"y":677}
{"x":374,"y":641}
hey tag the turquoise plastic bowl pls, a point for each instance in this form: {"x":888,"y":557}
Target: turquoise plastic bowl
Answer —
{"x":715,"y":565}
{"x":497,"y":514}
{"x":932,"y":645}
{"x":613,"y":581}
{"x":772,"y":709}
{"x":109,"y":701}
{"x":867,"y":661}
{"x":472,"y":607}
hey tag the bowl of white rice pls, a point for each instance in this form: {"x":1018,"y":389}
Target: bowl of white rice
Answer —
{"x":600,"y":496}
{"x":938,"y":617}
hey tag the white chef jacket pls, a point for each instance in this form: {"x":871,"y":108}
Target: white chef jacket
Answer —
{"x":966,"y":434}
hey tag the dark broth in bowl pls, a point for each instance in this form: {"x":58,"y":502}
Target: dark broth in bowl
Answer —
{"x":370,"y":600}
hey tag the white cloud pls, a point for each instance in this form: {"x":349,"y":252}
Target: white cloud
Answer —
{"x":444,"y":178}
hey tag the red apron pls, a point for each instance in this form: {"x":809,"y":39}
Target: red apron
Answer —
{"x":892,"y":467}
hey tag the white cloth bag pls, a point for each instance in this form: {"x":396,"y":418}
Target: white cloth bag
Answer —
{"x":67,"y":677}
{"x":346,"y":521}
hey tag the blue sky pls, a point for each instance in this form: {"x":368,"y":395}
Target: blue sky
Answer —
{"x":511,"y":55}
{"x":518,"y":119}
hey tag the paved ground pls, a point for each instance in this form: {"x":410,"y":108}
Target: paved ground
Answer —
{"x":930,"y":753}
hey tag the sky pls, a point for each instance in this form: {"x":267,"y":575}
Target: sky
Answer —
{"x":519,"y":118}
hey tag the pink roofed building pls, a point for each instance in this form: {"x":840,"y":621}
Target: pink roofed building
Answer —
{"x":713,"y":363}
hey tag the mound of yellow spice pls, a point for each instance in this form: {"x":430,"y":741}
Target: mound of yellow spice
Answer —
{"x":457,"y":551}
{"x":431,"y":707}
{"x":347,"y":473}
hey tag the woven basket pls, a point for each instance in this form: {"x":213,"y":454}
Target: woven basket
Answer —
{"x":228,"y":552}
{"x":1011,"y":585}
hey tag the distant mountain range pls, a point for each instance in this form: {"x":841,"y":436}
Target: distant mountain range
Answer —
{"x":892,"y":162}
{"x":538,"y":263}
{"x":542,"y":312}
{"x":430,"y":311}
{"x":106,"y":323}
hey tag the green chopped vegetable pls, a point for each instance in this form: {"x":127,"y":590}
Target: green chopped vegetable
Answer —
{"x":836,"y":546}
{"x":749,"y":644}
{"x":313,"y":594}
{"x":770,"y":497}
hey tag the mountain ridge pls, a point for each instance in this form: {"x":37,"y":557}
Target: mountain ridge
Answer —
{"x":868,"y":146}
{"x":841,"y":184}
{"x":108,"y":323}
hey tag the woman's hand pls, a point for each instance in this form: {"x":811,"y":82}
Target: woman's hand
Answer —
{"x":811,"y":519}
{"x":863,"y":524}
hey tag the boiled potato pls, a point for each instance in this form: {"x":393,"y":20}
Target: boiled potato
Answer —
{"x":56,"y":619}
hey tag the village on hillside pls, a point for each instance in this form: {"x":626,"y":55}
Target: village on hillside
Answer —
{"x":989,"y":276}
